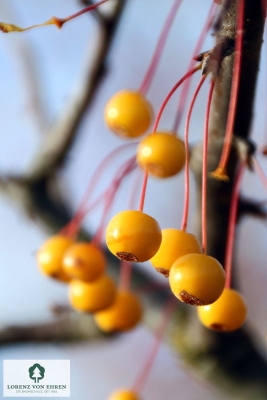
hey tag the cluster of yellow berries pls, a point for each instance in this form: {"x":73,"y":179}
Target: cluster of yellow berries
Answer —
{"x":91,"y":290}
{"x":195,"y":278}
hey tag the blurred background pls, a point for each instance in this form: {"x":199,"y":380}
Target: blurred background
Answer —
{"x":41,"y":71}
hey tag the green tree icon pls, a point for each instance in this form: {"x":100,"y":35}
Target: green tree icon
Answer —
{"x":36,"y":372}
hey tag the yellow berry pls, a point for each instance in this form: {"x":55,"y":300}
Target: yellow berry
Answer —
{"x":50,"y":257}
{"x":197,"y":279}
{"x":228,"y":313}
{"x":92,"y":296}
{"x":123,"y":314}
{"x":133,"y":236}
{"x":128,"y":114}
{"x":124,"y":395}
{"x":84,"y":261}
{"x":175,"y":244}
{"x":162,"y":154}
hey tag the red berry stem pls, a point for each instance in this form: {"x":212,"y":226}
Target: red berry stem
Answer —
{"x":186,"y":87}
{"x":159,"y":48}
{"x":263,"y":148}
{"x":129,"y":166}
{"x":143,"y":193}
{"x":60,"y":21}
{"x":135,"y":189}
{"x":167,"y":314}
{"x":72,"y":228}
{"x":82,"y":211}
{"x":151,"y":287}
{"x":108,"y":195}
{"x":187,"y":75}
{"x":125,"y":275}
{"x":260,"y":172}
{"x":220,"y":172}
{"x":113,"y":155}
{"x":126,"y":267}
{"x":204,"y":169}
{"x":232,"y":224}
{"x":187,"y":186}
{"x":173,"y":90}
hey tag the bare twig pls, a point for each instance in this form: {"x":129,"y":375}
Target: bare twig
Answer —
{"x":23,"y":58}
{"x":219,"y":194}
{"x":37,"y":191}
{"x":61,"y":134}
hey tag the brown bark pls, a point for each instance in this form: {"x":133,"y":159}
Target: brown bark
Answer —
{"x":237,"y":365}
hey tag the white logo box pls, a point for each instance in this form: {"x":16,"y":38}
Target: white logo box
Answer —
{"x":36,"y":378}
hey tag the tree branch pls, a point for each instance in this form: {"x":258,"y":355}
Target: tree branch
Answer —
{"x":218,"y":349}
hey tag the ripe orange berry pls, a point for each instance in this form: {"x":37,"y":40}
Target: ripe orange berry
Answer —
{"x":84,"y":261}
{"x":124,"y":395}
{"x":50,"y":256}
{"x":128,"y":114}
{"x":228,"y":313}
{"x":92,"y":296}
{"x":162,"y":154}
{"x":175,"y":244}
{"x":197,"y":279}
{"x":123,"y":314}
{"x":133,"y":236}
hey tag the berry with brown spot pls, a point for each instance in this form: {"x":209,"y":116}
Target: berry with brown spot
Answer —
{"x":175,"y":243}
{"x":197,"y":279}
{"x":133,"y":236}
{"x":226,"y":314}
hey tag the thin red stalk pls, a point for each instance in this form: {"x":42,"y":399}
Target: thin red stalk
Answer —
{"x":175,"y":87}
{"x":204,"y":170}
{"x":113,"y":155}
{"x":187,"y":186}
{"x":196,"y":51}
{"x":143,"y":193}
{"x":108,"y":203}
{"x":83,"y":11}
{"x":260,"y":172}
{"x":129,"y":166}
{"x":72,"y":229}
{"x":134,"y":190}
{"x":125,"y":275}
{"x":151,"y":287}
{"x":81,"y":211}
{"x":59,"y":22}
{"x":110,"y":200}
{"x":126,"y":267}
{"x":142,"y":377}
{"x":159,"y":48}
{"x":234,"y":87}
{"x":232,"y":225}
{"x":265,"y":116}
